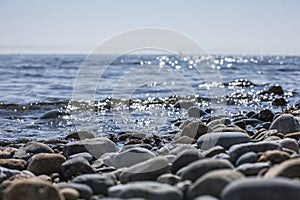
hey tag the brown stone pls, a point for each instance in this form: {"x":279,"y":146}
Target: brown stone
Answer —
{"x":11,"y":163}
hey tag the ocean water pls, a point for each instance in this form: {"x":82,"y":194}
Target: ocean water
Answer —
{"x":134,"y":92}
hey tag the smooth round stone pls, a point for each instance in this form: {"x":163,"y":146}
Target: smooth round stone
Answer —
{"x":30,"y":149}
{"x":76,"y":166}
{"x":289,"y":143}
{"x":184,"y":140}
{"x":6,"y":173}
{"x":194,"y":130}
{"x":206,"y":197}
{"x":274,"y":156}
{"x":224,"y":139}
{"x":252,"y":169}
{"x":96,"y":147}
{"x":32,"y":188}
{"x":214,"y":151}
{"x":180,"y":148}
{"x":85,"y":192}
{"x":131,"y":157}
{"x":198,"y":168}
{"x":288,"y":168}
{"x":12,"y":163}
{"x":99,"y":183}
{"x":46,"y":163}
{"x":285,"y":124}
{"x":237,"y":150}
{"x":212,"y":183}
{"x":170,"y":179}
{"x":196,"y":112}
{"x":261,"y":189}
{"x":85,"y":155}
{"x":214,"y":122}
{"x":184,"y":158}
{"x":147,"y":170}
{"x":69,"y":193}
{"x":266,"y":115}
{"x":249,"y":157}
{"x":7,"y":152}
{"x":146,"y":189}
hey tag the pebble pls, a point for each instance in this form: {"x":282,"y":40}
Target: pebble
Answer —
{"x":99,"y":183}
{"x":214,"y":151}
{"x":69,"y":193}
{"x":266,"y":115}
{"x":147,"y":170}
{"x":146,"y":189}
{"x":96,"y":147}
{"x":198,"y":168}
{"x":76,"y":166}
{"x":286,"y":123}
{"x":12,"y":163}
{"x":184,"y":140}
{"x":252,"y":169}
{"x":196,"y":112}
{"x":7,"y":152}
{"x":194,"y":130}
{"x":32,"y":188}
{"x":249,"y":157}
{"x":45,"y":163}
{"x":85,"y":192}
{"x":30,"y":149}
{"x":224,"y":139}
{"x":237,"y":150}
{"x":85,"y":155}
{"x":184,"y":158}
{"x":206,"y":197}
{"x":261,"y":189}
{"x":274,"y":156}
{"x":170,"y":179}
{"x":290,"y":144}
{"x":212,"y":183}
{"x":288,"y":168}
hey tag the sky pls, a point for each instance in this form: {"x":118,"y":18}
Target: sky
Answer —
{"x":220,"y":26}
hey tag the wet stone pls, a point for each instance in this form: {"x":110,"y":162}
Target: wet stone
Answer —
{"x":184,"y":158}
{"x":170,"y":179}
{"x":285,"y":124}
{"x":30,"y":149}
{"x":194,"y":130}
{"x":76,"y":166}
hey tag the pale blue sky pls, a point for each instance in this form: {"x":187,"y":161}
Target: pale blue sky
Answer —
{"x":220,"y":26}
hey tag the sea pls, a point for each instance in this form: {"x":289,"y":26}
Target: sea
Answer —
{"x":47,"y":97}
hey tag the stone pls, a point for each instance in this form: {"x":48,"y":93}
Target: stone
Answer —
{"x":6,"y":173}
{"x":223,"y":120}
{"x":224,"y":139}
{"x":180,"y":148}
{"x":206,"y":197}
{"x":53,"y":114}
{"x":198,"y":168}
{"x":295,"y":135}
{"x":147,"y":190}
{"x":45,"y":163}
{"x":184,"y":140}
{"x":266,"y":115}
{"x":275,"y":89}
{"x":288,"y":168}
{"x":147,"y":170}
{"x":212,"y":183}
{"x":80,"y":135}
{"x":237,"y":150}
{"x":85,"y":192}
{"x":30,"y":149}
{"x":274,"y":156}
{"x":85,"y":155}
{"x":99,"y":183}
{"x":214,"y":151}
{"x":69,"y":193}
{"x":289,"y":143}
{"x":33,"y":188}
{"x":96,"y":147}
{"x":286,"y":123}
{"x":170,"y":179}
{"x":7,"y":152}
{"x":252,"y":169}
{"x":261,"y":189}
{"x":249,"y":157}
{"x":131,"y":157}
{"x":196,"y":112}
{"x":184,"y":158}
{"x":194,"y":130}
{"x":76,"y":166}
{"x":12,"y":163}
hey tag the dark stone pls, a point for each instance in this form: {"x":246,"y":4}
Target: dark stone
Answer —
{"x":185,"y":158}
{"x":85,"y":192}
{"x":30,"y":149}
{"x":76,"y":166}
{"x":249,"y":157}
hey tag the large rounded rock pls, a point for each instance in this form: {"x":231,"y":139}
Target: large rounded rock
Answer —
{"x":46,"y":163}
{"x":147,"y":170}
{"x":249,"y":157}
{"x":96,"y":147}
{"x":237,"y":150}
{"x":285,"y":124}
{"x":85,"y":192}
{"x":194,"y":129}
{"x":198,"y":168}
{"x":11,"y":163}
{"x":213,"y":183}
{"x":6,"y":173}
{"x":99,"y":183}
{"x":32,"y":148}
{"x":289,"y":168}
{"x":224,"y":139}
{"x":261,"y":189}
{"x":76,"y":166}
{"x":290,"y":144}
{"x":147,"y":190}
{"x":131,"y":157}
{"x":33,"y":188}
{"x":185,"y":158}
